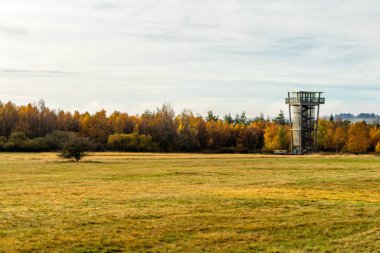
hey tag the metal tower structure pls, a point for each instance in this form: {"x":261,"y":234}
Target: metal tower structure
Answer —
{"x":304,"y":120}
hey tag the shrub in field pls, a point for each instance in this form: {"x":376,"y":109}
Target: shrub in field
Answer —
{"x":75,"y":148}
{"x":131,"y":142}
{"x":36,"y":145}
{"x":16,"y":142}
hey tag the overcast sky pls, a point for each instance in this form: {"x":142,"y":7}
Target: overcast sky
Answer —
{"x":224,"y":55}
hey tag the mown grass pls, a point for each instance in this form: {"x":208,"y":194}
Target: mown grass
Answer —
{"x":189,"y":203}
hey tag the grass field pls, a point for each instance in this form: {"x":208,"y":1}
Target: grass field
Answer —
{"x":189,"y":203}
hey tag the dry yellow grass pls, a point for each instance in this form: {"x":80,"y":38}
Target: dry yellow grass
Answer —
{"x":116,"y":202}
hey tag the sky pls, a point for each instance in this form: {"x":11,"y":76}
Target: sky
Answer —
{"x":219,"y":55}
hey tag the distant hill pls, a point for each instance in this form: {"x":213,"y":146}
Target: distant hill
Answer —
{"x":368,"y":117}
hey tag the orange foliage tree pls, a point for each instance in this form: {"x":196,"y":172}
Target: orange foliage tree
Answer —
{"x":358,"y":140}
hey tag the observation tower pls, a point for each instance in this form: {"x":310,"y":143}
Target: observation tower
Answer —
{"x":304,"y":114}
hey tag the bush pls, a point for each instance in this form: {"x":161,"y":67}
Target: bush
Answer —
{"x":58,"y":139}
{"x":231,"y":150}
{"x":16,"y":142}
{"x":131,"y":143}
{"x":146,"y":143}
{"x":75,"y":148}
{"x":3,"y":140}
{"x":39,"y":144}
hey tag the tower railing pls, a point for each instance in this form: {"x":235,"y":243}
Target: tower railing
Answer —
{"x":297,"y":100}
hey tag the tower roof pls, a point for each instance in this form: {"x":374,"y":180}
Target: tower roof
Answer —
{"x":320,"y":92}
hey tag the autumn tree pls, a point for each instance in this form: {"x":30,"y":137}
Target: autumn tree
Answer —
{"x":340,"y":138}
{"x":218,"y":135}
{"x":28,"y":120}
{"x":47,"y":119}
{"x":187,"y":132}
{"x":374,"y":137}
{"x":260,"y":126}
{"x":358,"y":141}
{"x":377,"y":149}
{"x":122,"y":122}
{"x":145,"y":125}
{"x":163,"y":127}
{"x":67,"y":122}
{"x":326,"y":135}
{"x":276,"y":137}
{"x":97,"y":127}
{"x":201,"y":132}
{"x":249,"y":137}
{"x":8,"y":118}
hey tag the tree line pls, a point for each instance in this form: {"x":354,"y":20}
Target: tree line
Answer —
{"x":35,"y":127}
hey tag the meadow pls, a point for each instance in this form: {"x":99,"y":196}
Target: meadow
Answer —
{"x":125,"y":202}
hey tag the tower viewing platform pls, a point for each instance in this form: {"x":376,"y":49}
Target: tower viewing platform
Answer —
{"x":305,"y":97}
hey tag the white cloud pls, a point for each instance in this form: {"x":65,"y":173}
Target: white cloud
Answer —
{"x":223,"y":55}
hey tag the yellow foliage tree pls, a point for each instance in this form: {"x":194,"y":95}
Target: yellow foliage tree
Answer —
{"x":325,"y":135}
{"x":374,"y":136}
{"x":276,"y":137}
{"x":377,"y":150}
{"x":340,"y":138}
